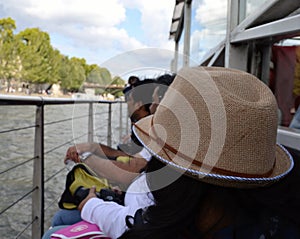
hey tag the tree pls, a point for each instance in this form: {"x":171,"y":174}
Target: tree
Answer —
{"x":94,"y":75}
{"x":39,"y":59}
{"x":10,"y":62}
{"x":54,"y":63}
{"x":7,"y":27}
{"x":72,"y":74}
{"x":105,"y":76}
{"x":117,"y":92}
{"x":98,"y":75}
{"x":30,"y":56}
{"x":117,"y":80}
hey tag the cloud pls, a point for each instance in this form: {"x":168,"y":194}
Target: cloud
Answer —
{"x":97,"y":13}
{"x":156,"y":18}
{"x":145,"y":61}
{"x":94,"y":25}
{"x":203,"y":41}
{"x":95,"y":20}
{"x":211,"y":16}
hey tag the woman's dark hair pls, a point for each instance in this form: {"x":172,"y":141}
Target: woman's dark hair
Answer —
{"x":142,"y":91}
{"x":175,"y":204}
{"x":257,"y":210}
{"x":133,"y":80}
{"x":281,"y":198}
{"x":163,"y":82}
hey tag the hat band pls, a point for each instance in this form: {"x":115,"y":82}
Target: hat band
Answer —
{"x":213,"y":169}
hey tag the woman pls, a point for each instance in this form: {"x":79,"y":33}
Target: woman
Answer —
{"x":228,"y":143}
{"x":67,"y":217}
{"x":215,"y":129}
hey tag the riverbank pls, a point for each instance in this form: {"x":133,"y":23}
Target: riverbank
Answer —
{"x":60,"y":95}
{"x":23,"y":93}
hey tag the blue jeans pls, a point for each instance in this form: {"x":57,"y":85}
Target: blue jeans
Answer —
{"x":66,"y":217}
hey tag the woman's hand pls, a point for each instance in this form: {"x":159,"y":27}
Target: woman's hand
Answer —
{"x":74,"y":151}
{"x":72,"y":154}
{"x":92,"y":194}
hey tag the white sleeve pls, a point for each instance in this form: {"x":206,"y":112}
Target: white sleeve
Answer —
{"x":109,"y":216}
{"x":144,"y":153}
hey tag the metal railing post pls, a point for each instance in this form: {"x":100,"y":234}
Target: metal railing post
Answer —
{"x":109,"y":125}
{"x":187,"y":32}
{"x":90,"y":124}
{"x":127,"y":121}
{"x":38,"y":176}
{"x":120,"y":122}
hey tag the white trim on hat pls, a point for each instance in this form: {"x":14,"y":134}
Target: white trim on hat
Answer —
{"x":199,"y":174}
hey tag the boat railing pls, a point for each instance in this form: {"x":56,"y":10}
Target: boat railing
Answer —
{"x":34,"y":202}
{"x":289,"y":137}
{"x":16,"y":200}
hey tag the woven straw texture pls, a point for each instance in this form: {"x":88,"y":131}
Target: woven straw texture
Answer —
{"x":218,"y":125}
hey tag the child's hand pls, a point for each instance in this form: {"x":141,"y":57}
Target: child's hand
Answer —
{"x":92,"y":194}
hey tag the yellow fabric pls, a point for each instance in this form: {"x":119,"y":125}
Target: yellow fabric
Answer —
{"x":84,"y":179}
{"x":69,"y":205}
{"x":124,"y":159}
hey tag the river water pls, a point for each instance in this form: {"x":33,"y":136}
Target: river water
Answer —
{"x":18,"y":146}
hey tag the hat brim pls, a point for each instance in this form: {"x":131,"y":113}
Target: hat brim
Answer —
{"x":283,"y":164}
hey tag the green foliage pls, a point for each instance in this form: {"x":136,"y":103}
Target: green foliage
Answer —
{"x":90,"y":68}
{"x":7,"y":27}
{"x":105,"y":76}
{"x":98,"y":75}
{"x":39,"y":59}
{"x":118,"y":81}
{"x":94,"y":75}
{"x":117,"y":92}
{"x":72,"y":74}
{"x":10,"y":62}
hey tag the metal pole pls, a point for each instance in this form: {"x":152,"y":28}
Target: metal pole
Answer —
{"x":127,"y":121}
{"x":265,"y":69}
{"x":176,"y":57}
{"x":109,"y":126}
{"x":38,"y":176}
{"x":232,"y":22}
{"x":242,"y":10}
{"x":235,"y":55}
{"x":90,"y":124}
{"x":121,"y":122}
{"x":187,"y":31}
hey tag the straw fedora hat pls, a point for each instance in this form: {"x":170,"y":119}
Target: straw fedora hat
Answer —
{"x":219,"y":126}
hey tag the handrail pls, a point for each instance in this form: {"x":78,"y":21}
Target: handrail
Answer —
{"x":289,"y":137}
{"x":36,"y":100}
{"x":38,"y":191}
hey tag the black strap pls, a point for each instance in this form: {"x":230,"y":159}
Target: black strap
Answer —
{"x":138,"y":218}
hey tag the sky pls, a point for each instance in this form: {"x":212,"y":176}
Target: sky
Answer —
{"x":127,"y":35}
